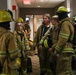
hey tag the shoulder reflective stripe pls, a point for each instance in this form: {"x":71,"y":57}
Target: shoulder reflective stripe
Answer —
{"x":64,"y":35}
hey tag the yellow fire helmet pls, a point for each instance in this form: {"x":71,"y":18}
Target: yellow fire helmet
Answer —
{"x":46,"y":43}
{"x":5,"y":16}
{"x":20,"y":19}
{"x":62,"y":9}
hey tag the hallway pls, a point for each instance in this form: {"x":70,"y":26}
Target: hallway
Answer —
{"x":35,"y":65}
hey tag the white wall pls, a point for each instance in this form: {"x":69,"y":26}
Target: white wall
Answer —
{"x":10,"y":3}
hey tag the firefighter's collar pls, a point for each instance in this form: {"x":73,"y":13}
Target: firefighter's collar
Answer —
{"x":48,"y":26}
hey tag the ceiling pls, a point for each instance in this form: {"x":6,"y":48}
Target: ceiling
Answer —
{"x":39,"y":3}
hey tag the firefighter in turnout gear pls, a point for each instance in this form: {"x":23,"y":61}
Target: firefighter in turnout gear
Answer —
{"x":20,"y":20}
{"x":62,"y":43}
{"x":22,"y":44}
{"x":74,"y":45}
{"x":8,"y":48}
{"x":27,"y":29}
{"x":55,"y":22}
{"x":43,"y":52}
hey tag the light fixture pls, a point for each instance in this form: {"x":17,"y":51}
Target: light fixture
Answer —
{"x":27,"y":2}
{"x":38,"y":6}
{"x":41,"y":0}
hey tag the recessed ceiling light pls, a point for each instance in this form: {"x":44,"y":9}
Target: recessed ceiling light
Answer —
{"x":41,"y":0}
{"x":27,"y":2}
{"x":38,"y":6}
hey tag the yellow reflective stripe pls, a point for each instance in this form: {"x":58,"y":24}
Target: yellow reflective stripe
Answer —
{"x":13,"y":52}
{"x":46,"y":44}
{"x":2,"y":54}
{"x":57,"y":48}
{"x":64,"y":35}
{"x":68,"y":49}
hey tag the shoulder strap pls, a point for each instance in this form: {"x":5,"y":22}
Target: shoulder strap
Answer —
{"x":45,"y":35}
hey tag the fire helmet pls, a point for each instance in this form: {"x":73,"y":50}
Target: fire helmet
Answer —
{"x":62,"y":9}
{"x":20,"y":19}
{"x":5,"y":16}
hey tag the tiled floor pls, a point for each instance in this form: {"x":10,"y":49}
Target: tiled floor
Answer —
{"x":35,"y":65}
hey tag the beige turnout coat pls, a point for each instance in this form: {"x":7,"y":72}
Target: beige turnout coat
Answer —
{"x":8,"y":52}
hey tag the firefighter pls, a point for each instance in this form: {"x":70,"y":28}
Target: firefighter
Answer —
{"x":23,"y":45}
{"x":48,"y":43}
{"x":74,"y":39}
{"x":43,"y":52}
{"x":62,"y":47}
{"x":8,"y":49}
{"x":27,"y":29}
{"x":74,"y":45}
{"x":55,"y":22}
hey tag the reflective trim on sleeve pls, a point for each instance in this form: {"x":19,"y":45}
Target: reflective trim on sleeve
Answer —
{"x":68,"y":50}
{"x":13,"y":52}
{"x":57,"y":48}
{"x":64,"y":35}
{"x":2,"y":54}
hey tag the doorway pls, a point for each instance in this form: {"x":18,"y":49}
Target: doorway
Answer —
{"x":34,"y":21}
